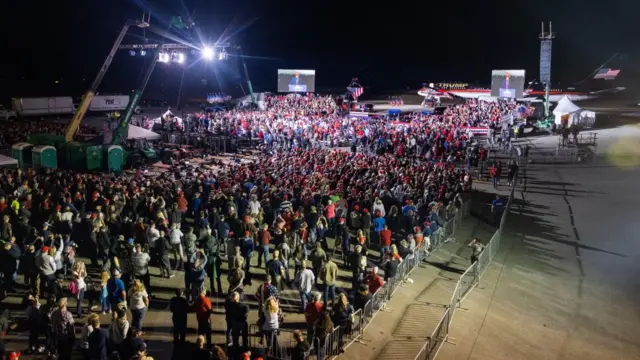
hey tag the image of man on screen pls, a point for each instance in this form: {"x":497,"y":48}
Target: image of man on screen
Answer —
{"x":297,"y":83}
{"x":505,"y":89}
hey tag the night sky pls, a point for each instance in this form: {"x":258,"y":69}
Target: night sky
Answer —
{"x":388,"y":45}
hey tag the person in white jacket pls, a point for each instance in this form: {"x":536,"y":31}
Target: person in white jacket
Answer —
{"x":175,"y":238}
{"x":379,"y":206}
{"x":152,"y":235}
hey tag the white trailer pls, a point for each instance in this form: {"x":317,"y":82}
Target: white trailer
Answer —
{"x":43,"y":106}
{"x":109,"y":103}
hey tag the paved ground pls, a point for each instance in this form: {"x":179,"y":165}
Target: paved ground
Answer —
{"x":402,"y":329}
{"x":157,"y":323}
{"x":565,"y":284}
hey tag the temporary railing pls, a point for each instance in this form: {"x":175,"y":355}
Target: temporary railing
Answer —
{"x":342,"y":336}
{"x":467,"y":282}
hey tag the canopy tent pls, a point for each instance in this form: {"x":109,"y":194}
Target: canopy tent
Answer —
{"x":6,"y":161}
{"x":567,"y":113}
{"x":137,"y":132}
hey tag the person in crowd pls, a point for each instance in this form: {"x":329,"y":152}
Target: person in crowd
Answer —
{"x":139,"y":304}
{"x":265,"y":238}
{"x":385,"y":241}
{"x":202,"y":307}
{"x":329,"y":276}
{"x":238,"y":314}
{"x":179,"y":309}
{"x":118,"y":329}
{"x":34,"y":323}
{"x":79,"y":275}
{"x":301,"y":348}
{"x":140,"y":263}
{"x":477,"y":247}
{"x":305,"y":280}
{"x":98,"y":341}
{"x":275,"y":270}
{"x":63,"y":329}
{"x":390,"y":266}
{"x":361,"y":298}
{"x":116,"y":290}
{"x":312,"y":313}
{"x":373,"y":280}
{"x":201,"y":351}
{"x":318,"y":258}
{"x":86,"y":331}
{"x":271,"y":323}
{"x":322,"y":328}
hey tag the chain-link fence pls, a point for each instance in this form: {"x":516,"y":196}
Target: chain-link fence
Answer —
{"x":467,"y":282}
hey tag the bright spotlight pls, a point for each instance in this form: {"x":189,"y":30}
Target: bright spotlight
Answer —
{"x":163,"y":57}
{"x":207,"y":53}
{"x":180,"y":58}
{"x":143,"y":53}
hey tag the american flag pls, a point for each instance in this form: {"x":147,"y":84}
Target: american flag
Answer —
{"x":355,"y":91}
{"x":607,"y":74}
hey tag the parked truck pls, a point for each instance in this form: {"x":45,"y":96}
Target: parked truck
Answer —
{"x":111,"y":103}
{"x":43,"y":106}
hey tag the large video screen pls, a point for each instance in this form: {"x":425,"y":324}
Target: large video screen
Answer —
{"x":296,"y":80}
{"x":507,"y":83}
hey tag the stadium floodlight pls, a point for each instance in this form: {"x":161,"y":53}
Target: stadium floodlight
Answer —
{"x":207,"y":53}
{"x":180,"y":58}
{"x":163,"y":57}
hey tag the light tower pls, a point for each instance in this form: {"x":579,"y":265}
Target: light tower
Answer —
{"x":545,"y":64}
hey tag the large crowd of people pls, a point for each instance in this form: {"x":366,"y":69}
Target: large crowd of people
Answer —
{"x":84,"y":243}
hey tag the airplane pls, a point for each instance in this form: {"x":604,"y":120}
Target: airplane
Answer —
{"x":535,"y":91}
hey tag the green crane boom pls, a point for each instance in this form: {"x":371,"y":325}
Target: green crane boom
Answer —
{"x":122,"y":131}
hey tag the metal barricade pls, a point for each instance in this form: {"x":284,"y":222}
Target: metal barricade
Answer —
{"x":467,"y":281}
{"x":331,"y":345}
{"x":277,"y":347}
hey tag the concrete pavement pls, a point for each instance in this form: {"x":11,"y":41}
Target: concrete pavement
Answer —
{"x":564,"y":284}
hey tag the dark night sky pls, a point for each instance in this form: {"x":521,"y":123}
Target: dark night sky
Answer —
{"x":390,"y":44}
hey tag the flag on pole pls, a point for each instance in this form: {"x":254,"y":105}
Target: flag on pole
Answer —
{"x":355,"y":91}
{"x":607,"y":74}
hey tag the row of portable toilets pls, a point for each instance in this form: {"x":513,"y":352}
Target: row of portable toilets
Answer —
{"x":36,"y":156}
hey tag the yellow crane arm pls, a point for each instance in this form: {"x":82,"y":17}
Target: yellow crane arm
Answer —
{"x":72,"y":127}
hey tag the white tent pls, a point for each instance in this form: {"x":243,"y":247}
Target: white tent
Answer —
{"x":573,"y":114}
{"x":137,"y":132}
{"x":6,"y":161}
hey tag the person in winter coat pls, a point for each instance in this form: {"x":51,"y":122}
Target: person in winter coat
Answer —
{"x":163,"y":247}
{"x":175,"y":239}
{"x":9,"y":261}
{"x":197,"y":273}
{"x":140,"y":265}
{"x":213,"y":268}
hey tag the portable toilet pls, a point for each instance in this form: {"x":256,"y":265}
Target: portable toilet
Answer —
{"x":44,"y":156}
{"x":114,"y":155}
{"x":22,"y":152}
{"x":94,"y":157}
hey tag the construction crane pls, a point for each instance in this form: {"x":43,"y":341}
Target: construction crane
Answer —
{"x":88,"y":96}
{"x":121,"y":132}
{"x":246,"y":75}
